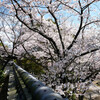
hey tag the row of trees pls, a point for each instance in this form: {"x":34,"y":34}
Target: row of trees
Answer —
{"x":60,"y":36}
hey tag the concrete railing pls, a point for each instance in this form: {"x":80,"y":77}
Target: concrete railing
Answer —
{"x":37,"y":89}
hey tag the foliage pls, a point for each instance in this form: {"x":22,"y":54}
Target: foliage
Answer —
{"x":31,"y":66}
{"x":0,"y":44}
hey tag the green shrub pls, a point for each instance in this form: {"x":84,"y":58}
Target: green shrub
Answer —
{"x":32,"y":66}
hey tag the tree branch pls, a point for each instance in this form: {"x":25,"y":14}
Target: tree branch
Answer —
{"x":69,"y":7}
{"x":90,"y":23}
{"x":78,"y":32}
{"x":60,"y":36}
{"x":87,"y":52}
{"x":38,"y":31}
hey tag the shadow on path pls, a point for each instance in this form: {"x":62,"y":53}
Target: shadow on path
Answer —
{"x":4,"y":89}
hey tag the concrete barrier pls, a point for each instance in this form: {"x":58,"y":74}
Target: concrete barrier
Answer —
{"x":37,"y":89}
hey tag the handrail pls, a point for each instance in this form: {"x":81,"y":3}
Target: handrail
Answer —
{"x":18,"y":85}
{"x":37,"y":89}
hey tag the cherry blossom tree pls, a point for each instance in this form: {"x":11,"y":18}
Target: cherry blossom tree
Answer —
{"x":63,"y":32}
{"x":9,"y":36}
